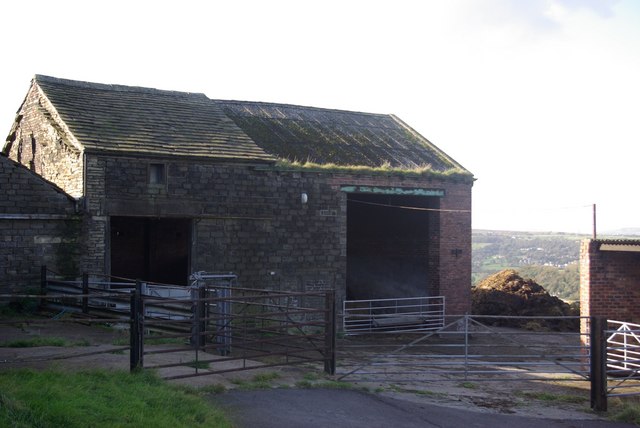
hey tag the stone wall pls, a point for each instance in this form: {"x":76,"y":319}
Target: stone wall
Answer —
{"x":39,"y":142}
{"x":38,"y":225}
{"x":250,"y":220}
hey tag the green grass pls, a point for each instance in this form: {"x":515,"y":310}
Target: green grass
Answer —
{"x":259,"y":381}
{"x":398,"y":388}
{"x":557,"y":398}
{"x":469,"y":385}
{"x":33,"y":342}
{"x":197,"y":364}
{"x":625,"y":410}
{"x":99,"y":398}
{"x":420,"y":171}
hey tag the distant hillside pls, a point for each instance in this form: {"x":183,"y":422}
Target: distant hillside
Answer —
{"x":626,"y":231}
{"x":550,"y":259}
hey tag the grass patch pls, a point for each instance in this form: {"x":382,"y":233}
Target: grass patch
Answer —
{"x":259,"y":381}
{"x":311,"y":376}
{"x":469,"y":385}
{"x":398,"y":388}
{"x":99,"y":398}
{"x":34,"y":342}
{"x":386,"y":168}
{"x":549,"y":396}
{"x":198,"y":364}
{"x":165,"y":341}
{"x":625,"y":410}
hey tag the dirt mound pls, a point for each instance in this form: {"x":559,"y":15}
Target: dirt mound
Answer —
{"x":508,"y":294}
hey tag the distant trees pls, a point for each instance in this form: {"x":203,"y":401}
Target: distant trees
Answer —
{"x":560,"y":282}
{"x":549,"y":259}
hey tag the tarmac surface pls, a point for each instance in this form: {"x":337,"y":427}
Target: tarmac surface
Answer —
{"x":337,"y":408}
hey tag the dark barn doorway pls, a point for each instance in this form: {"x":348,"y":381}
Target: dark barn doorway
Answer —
{"x":388,"y":245}
{"x":150,"y":249}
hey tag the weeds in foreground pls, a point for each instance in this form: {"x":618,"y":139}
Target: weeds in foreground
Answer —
{"x":398,"y":388}
{"x":99,"y":398}
{"x":259,"y":381}
{"x":625,"y":410}
{"x":34,"y":342}
{"x":469,"y":385}
{"x":556,"y":398}
{"x":196,"y":364}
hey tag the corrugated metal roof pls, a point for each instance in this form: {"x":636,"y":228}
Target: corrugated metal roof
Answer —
{"x":628,"y":245}
{"x":115,"y":118}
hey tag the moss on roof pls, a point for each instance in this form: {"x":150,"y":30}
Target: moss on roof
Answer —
{"x":116,"y":118}
{"x":340,"y":138}
{"x":459,"y":174}
{"x":125,"y":119}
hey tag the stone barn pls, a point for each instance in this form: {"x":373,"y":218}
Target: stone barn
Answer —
{"x":163,"y":183}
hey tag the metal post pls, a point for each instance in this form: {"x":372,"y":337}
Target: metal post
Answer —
{"x":85,"y":293}
{"x":43,"y":285}
{"x":466,"y":347}
{"x":594,"y":222}
{"x":330,"y":333}
{"x":137,"y":329}
{"x":598,"y":365}
{"x":197,"y":311}
{"x":134,"y":360}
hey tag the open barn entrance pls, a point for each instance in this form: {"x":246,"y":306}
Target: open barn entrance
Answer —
{"x":388,"y":245}
{"x":151,"y":249}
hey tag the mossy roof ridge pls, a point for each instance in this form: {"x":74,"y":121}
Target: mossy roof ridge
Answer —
{"x":337,"y":137}
{"x":453,"y":174}
{"x":117,"y":118}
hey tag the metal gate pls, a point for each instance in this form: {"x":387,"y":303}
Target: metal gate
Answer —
{"x":393,"y":315}
{"x":468,"y":347}
{"x":234,"y":329}
{"x":212,"y":327}
{"x":622,"y":359}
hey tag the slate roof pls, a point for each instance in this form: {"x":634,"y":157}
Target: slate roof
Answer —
{"x":125,"y":119}
{"x":115,"y":118}
{"x":340,"y":137}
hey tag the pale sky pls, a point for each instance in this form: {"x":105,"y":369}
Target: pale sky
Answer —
{"x":539,"y":99}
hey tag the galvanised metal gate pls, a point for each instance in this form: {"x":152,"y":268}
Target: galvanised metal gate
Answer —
{"x":469,"y":347}
{"x":622,"y":358}
{"x":411,"y":314}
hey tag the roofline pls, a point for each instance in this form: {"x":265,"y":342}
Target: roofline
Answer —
{"x":266,"y":103}
{"x":114,"y":87}
{"x":139,"y":154}
{"x":55,"y":117}
{"x":435,"y":148}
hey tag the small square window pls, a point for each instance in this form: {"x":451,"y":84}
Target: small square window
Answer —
{"x":157,"y":173}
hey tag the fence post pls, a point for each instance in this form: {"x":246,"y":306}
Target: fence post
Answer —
{"x":137,"y":329}
{"x":197,"y":310}
{"x":85,"y":292}
{"x":202,"y":315}
{"x":43,"y":285}
{"x":598,"y":364}
{"x":330,"y":332}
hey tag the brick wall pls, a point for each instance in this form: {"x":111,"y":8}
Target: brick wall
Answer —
{"x":38,"y":225}
{"x":609,"y":283}
{"x":249,"y":219}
